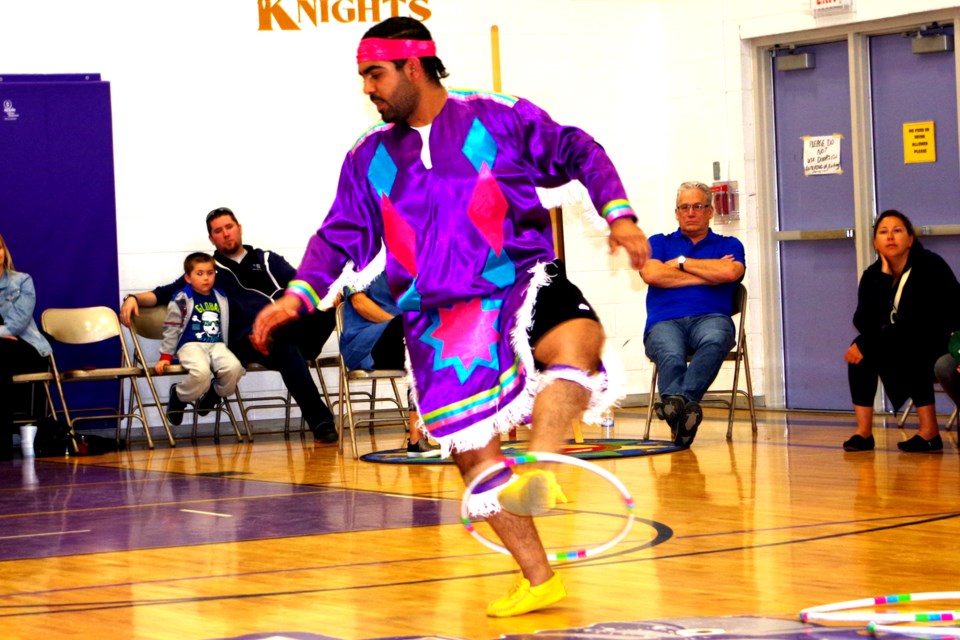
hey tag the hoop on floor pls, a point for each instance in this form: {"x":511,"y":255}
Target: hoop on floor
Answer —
{"x":535,"y":456}
{"x":825,"y":612}
{"x":926,"y":632}
{"x":881,"y":622}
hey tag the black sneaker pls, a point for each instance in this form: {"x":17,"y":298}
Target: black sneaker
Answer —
{"x":325,"y":432}
{"x":688,"y":423}
{"x":658,"y":411}
{"x":917,"y":444}
{"x":208,"y":402}
{"x":672,"y":409}
{"x":859,"y":443}
{"x":422,"y":449}
{"x":175,"y":406}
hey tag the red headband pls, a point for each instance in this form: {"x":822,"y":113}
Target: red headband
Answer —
{"x":386,"y":49}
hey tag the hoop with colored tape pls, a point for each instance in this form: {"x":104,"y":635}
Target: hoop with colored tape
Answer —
{"x":831,"y":612}
{"x":926,"y":632}
{"x":536,"y":456}
{"x":921,"y":632}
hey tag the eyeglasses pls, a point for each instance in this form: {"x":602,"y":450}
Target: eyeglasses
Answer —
{"x":696,"y":207}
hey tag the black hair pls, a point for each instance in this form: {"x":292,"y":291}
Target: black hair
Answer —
{"x":403,"y":28}
{"x":893,"y":213}
{"x":216,"y":213}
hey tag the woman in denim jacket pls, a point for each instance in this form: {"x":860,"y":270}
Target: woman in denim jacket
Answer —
{"x":23,"y":349}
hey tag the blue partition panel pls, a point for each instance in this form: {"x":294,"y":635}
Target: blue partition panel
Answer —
{"x":57,"y":203}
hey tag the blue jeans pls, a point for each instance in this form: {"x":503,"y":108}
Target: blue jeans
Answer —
{"x":706,"y":339}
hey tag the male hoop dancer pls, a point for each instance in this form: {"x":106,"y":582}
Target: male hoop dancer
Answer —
{"x":494,"y":330}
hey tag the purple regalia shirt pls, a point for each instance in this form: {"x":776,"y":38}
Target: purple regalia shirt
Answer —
{"x":466,"y":241}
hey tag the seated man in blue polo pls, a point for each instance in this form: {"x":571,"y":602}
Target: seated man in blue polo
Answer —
{"x":692,"y":274}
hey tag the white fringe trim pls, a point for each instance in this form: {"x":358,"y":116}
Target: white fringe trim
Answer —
{"x":362,"y":279}
{"x":507,"y":418}
{"x":606,"y":390}
{"x":481,"y":505}
{"x":612,"y":390}
{"x":510,"y":416}
{"x":358,"y":280}
{"x":573,"y":195}
{"x":336,"y":288}
{"x":592,"y":382}
{"x":519,"y":339}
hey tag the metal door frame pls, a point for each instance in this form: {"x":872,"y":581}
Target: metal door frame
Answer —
{"x":857,"y":36}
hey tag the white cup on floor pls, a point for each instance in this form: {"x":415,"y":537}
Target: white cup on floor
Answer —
{"x":27,"y":434}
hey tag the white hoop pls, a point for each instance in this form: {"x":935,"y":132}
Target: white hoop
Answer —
{"x":931,"y":632}
{"x":831,"y":613}
{"x":535,"y":456}
{"x":926,"y":616}
{"x":814,"y":614}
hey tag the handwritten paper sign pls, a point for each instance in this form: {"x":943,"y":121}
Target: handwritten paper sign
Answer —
{"x":821,"y":155}
{"x":919,"y":142}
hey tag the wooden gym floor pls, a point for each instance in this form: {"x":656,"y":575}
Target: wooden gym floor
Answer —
{"x":288,"y":539}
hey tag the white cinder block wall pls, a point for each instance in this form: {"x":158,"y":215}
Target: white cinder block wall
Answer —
{"x":209,"y":111}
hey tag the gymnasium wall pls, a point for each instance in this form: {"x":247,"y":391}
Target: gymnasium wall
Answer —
{"x":249,"y":104}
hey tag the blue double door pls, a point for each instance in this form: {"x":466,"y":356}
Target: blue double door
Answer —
{"x":824,"y":222}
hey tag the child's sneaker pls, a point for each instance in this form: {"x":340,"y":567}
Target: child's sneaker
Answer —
{"x":208,"y":402}
{"x":175,"y":407}
{"x":523,"y":598}
{"x":532,"y":494}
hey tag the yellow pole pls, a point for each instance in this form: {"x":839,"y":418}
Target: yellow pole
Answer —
{"x":495,"y":54}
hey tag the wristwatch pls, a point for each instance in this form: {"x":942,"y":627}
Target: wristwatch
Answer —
{"x":680,"y":261}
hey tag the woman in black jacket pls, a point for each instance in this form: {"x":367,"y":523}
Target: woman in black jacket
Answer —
{"x":907,"y":305}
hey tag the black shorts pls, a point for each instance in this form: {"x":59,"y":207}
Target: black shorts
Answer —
{"x":558,"y":302}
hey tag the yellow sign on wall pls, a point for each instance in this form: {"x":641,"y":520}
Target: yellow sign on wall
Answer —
{"x":294,"y":15}
{"x":919,"y":142}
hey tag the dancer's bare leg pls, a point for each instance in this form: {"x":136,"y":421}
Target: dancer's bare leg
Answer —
{"x":575,"y":343}
{"x":518,"y":533}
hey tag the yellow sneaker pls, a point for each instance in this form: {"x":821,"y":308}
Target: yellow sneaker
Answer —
{"x":532,"y":494}
{"x":523,"y":598}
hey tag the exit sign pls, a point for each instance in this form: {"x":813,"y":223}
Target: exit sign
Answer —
{"x":831,"y":6}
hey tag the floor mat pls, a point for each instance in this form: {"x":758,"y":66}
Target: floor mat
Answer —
{"x":589,"y":449}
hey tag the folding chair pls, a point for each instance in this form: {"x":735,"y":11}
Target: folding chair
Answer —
{"x":351,"y":399}
{"x":952,"y":420}
{"x":33,"y":379}
{"x":286,"y":402}
{"x":149,"y":325}
{"x":738,"y":355}
{"x":88,"y":326}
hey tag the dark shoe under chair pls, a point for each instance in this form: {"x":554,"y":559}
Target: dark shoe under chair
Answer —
{"x":857,"y":442}
{"x":325,"y":432}
{"x":671,"y":410}
{"x":208,"y":402}
{"x":688,"y":423}
{"x":175,"y":407}
{"x":918,"y":444}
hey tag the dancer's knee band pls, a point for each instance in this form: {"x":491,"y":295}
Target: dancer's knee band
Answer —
{"x":586,"y":379}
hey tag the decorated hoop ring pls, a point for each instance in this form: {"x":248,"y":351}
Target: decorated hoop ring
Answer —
{"x":926,"y":632}
{"x":831,"y":612}
{"x":536,"y":456}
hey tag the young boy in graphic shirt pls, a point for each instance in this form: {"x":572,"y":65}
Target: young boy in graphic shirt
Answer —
{"x":195,"y":330}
